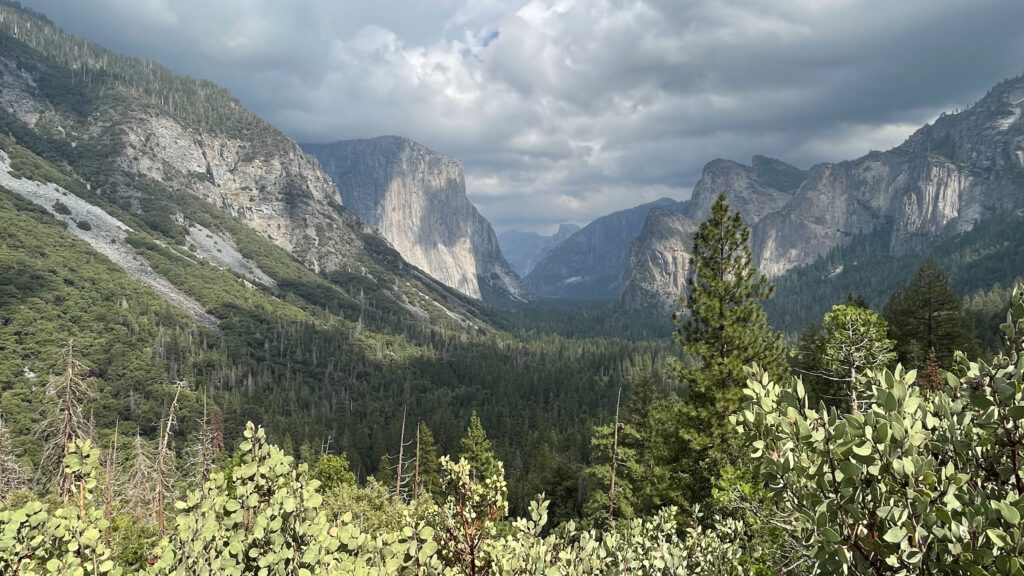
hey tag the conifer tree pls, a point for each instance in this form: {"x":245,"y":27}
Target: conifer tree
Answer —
{"x":66,"y":394}
{"x":725,"y":328}
{"x":140,"y":482}
{"x":648,"y":422}
{"x":854,"y":343}
{"x":476,"y":449}
{"x":385,"y":475}
{"x":428,"y":466}
{"x":926,"y":314}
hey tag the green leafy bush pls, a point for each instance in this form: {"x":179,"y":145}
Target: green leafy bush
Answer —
{"x":918,"y":482}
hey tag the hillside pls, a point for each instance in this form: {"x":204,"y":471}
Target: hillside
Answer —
{"x":177,"y":237}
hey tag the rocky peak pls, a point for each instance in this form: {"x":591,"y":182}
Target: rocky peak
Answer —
{"x":945,"y":178}
{"x":754,"y":191}
{"x":659,"y":261}
{"x":589,"y":264}
{"x":416,"y":199}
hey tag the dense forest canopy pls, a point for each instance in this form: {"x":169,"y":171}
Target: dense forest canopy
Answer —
{"x":363,"y":420}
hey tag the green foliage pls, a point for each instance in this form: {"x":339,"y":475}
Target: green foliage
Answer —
{"x":35,"y":540}
{"x":724,"y":331}
{"x":919,"y":481}
{"x":332,"y":471}
{"x":429,"y":471}
{"x":974,"y":261}
{"x":926,"y":314}
{"x":854,"y":342}
{"x":476,"y":449}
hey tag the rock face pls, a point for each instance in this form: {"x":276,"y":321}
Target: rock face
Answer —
{"x":659,"y":257}
{"x":278,"y":190}
{"x":139,"y":150}
{"x":755,"y":191}
{"x":416,"y":199}
{"x":524,"y":249}
{"x":659,"y":261}
{"x":946,"y":177}
{"x":589,"y":264}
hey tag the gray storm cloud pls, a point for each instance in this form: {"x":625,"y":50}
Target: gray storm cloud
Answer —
{"x":565,"y":110}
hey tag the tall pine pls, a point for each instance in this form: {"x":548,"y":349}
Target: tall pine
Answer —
{"x":927,"y":314}
{"x":476,"y":449}
{"x":723,"y":330}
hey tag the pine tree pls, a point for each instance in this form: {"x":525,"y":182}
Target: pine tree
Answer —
{"x":648,"y":422}
{"x":926,"y":314}
{"x":428,"y":466}
{"x":725,"y":328}
{"x":385,"y":475}
{"x":476,"y":449}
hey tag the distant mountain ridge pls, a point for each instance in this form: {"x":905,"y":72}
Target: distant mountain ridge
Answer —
{"x":524,"y":249}
{"x":942,"y":181}
{"x":416,"y":199}
{"x":589,"y":264}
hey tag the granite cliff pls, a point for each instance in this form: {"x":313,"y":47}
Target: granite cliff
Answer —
{"x":416,"y":199}
{"x":589,"y":264}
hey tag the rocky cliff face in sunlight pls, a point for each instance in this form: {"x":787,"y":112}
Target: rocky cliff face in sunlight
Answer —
{"x":278,"y":190}
{"x":945,"y":178}
{"x":659,"y":261}
{"x":416,"y":199}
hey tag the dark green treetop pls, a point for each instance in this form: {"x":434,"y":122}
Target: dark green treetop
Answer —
{"x":926,"y":314}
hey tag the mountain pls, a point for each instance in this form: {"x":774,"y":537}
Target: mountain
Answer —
{"x":416,"y":199}
{"x":659,"y":261}
{"x":524,"y":249}
{"x":945,"y":178}
{"x":863,"y":225}
{"x":589,"y":264}
{"x":659,"y":256}
{"x":177,"y":237}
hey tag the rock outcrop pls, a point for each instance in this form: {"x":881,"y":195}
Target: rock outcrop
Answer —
{"x":524,"y":249}
{"x":416,"y":199}
{"x":277,"y":189}
{"x":589,"y":264}
{"x":659,"y":261}
{"x":659,"y":257}
{"x":945,"y":178}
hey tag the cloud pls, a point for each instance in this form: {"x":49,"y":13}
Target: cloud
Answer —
{"x":564,"y":110}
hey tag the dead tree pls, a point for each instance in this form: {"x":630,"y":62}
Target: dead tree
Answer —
{"x":110,"y":469}
{"x":66,"y":392}
{"x":139,"y":485}
{"x":615,"y":459}
{"x":164,"y":465}
{"x":12,"y":476}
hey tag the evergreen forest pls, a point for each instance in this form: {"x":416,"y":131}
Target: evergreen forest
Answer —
{"x":364,"y":420}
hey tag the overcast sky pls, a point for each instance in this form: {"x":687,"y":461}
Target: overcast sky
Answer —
{"x":565,"y":110}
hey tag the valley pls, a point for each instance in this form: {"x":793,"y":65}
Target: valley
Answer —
{"x":222,"y":350}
